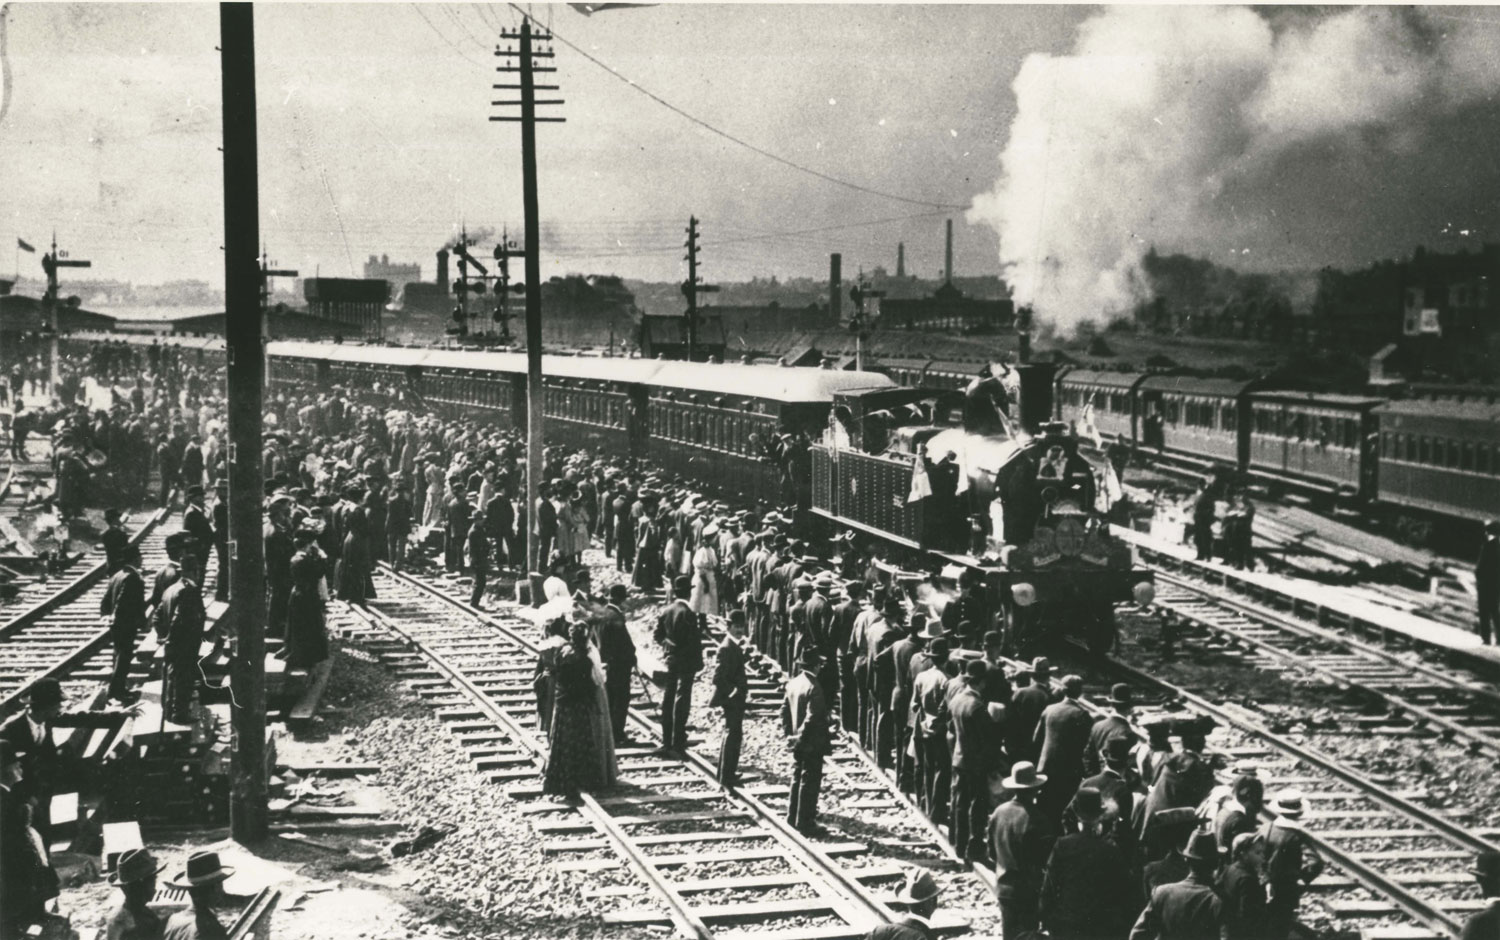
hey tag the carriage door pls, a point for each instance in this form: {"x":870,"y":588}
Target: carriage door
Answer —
{"x":517,"y":392}
{"x":637,"y":411}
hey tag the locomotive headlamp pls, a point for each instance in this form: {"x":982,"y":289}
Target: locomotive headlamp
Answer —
{"x":1144,"y":593}
{"x":1023,"y":594}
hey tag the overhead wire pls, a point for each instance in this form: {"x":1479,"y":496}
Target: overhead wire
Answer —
{"x":731,"y":137}
{"x":443,"y":36}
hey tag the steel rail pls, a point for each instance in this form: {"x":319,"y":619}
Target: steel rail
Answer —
{"x":1416,"y":907}
{"x":815,"y":862}
{"x":1396,"y":702}
{"x":12,"y":701}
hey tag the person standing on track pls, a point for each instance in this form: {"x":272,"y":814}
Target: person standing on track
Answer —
{"x":677,"y":633}
{"x":804,"y":717}
{"x":1204,"y":509}
{"x":731,"y":693}
{"x":479,"y":557}
{"x":1487,"y":582}
{"x":124,"y":607}
{"x":617,"y":650}
{"x":398,"y":518}
{"x":182,"y":611}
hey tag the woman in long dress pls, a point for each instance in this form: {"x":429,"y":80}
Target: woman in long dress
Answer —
{"x":306,"y":640}
{"x":432,"y":511}
{"x":565,"y":531}
{"x":582,"y":522}
{"x":574,"y":759}
{"x":647,"y":574}
{"x":705,"y":597}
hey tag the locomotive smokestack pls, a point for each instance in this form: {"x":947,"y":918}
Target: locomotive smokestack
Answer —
{"x":1036,"y":394}
{"x":835,"y":284}
{"x":442,"y":275}
{"x":948,"y":256}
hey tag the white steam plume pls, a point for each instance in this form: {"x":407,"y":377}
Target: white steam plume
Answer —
{"x":1129,"y":140}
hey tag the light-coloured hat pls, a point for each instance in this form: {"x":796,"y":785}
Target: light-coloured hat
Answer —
{"x":1289,"y":803}
{"x":1023,"y":776}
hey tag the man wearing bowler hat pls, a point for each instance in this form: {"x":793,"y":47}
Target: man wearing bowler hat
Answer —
{"x":1021,"y":838}
{"x":1189,"y":908}
{"x":1485,"y":924}
{"x":203,"y":880}
{"x":804,"y":717}
{"x":135,"y":875}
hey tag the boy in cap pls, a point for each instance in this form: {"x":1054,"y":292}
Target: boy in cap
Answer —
{"x":804,"y":717}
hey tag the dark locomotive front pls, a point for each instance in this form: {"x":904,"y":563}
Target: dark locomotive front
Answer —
{"x":1002,"y":492}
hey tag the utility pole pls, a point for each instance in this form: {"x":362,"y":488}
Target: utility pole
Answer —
{"x":527,"y":68}
{"x":243,"y":284}
{"x":691,"y":288}
{"x":858,"y":324}
{"x":50,"y":263}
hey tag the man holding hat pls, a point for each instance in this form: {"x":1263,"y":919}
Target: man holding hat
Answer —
{"x":1021,"y":838}
{"x":677,"y":632}
{"x":135,"y":875}
{"x":1087,"y":893}
{"x":203,"y":880}
{"x":1289,"y":869}
{"x":1191,"y":907}
{"x":1485,"y":924}
{"x":1114,"y":724}
{"x":804,"y":717}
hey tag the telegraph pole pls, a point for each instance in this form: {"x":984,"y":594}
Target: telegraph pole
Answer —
{"x":243,"y":283}
{"x":535,"y":438}
{"x":50,"y":263}
{"x":691,"y":288}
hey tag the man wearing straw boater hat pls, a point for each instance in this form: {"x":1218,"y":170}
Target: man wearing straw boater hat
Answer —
{"x":135,"y":875}
{"x":1021,"y":838}
{"x":1289,"y":869}
{"x":203,"y":880}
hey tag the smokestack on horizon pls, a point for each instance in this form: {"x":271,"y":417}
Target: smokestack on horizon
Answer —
{"x":948,"y":256}
{"x":835,"y":286}
{"x":442,"y":274}
{"x":901,"y":259}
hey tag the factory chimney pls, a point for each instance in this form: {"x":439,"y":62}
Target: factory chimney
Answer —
{"x":948,"y":256}
{"x":835,"y":284}
{"x":900,"y":260}
{"x":442,"y":275}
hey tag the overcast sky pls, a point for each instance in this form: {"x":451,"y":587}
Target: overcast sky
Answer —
{"x":1267,"y":137}
{"x":375,"y":138}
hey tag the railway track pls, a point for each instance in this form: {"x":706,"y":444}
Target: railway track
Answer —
{"x":1416,"y":696}
{"x":60,"y":635}
{"x":1401,"y":865}
{"x":718,"y":863}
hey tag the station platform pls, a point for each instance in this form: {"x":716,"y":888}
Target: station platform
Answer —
{"x":1329,"y":604}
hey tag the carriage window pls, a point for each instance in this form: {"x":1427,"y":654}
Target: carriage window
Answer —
{"x":1424,"y":449}
{"x":1482,"y":462}
{"x":1226,"y":416}
{"x":1466,"y":462}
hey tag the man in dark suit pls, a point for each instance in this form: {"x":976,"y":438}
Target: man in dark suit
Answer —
{"x":1062,"y":736}
{"x":971,"y":747}
{"x":1115,"y":724}
{"x":901,"y":653}
{"x":1024,"y":713}
{"x":183,"y":614}
{"x":124,"y":604}
{"x":22,"y":866}
{"x":804,"y":717}
{"x":677,"y":632}
{"x":458,"y":529}
{"x":1187,"y":908}
{"x":617,"y":651}
{"x":544,"y":521}
{"x":221,"y":540}
{"x":1087,"y":893}
{"x":731,"y":692}
{"x":398,"y":517}
{"x":500,"y":523}
{"x":115,"y":539}
{"x":195,"y":523}
{"x":1487,"y":581}
{"x":1021,"y":838}
{"x":879,"y":637}
{"x":479,"y":557}
{"x":1114,"y":783}
{"x":1204,"y":509}
{"x":844,"y":614}
{"x":1485,"y":924}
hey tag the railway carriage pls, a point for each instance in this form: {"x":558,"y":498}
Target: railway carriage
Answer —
{"x":1440,"y":457}
{"x":1318,"y":440}
{"x":1113,"y":397}
{"x":1193,"y":419}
